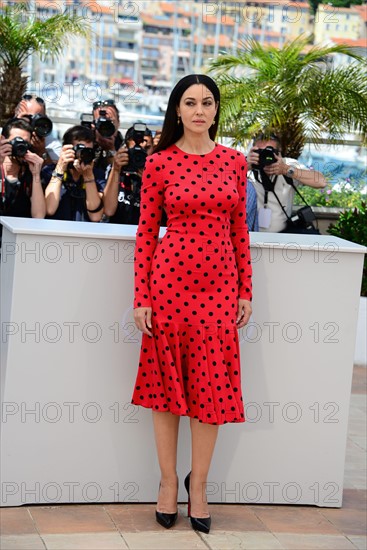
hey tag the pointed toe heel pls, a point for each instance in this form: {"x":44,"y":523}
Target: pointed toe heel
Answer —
{"x":198,"y":524}
{"x":201,"y":524}
{"x":166,"y":520}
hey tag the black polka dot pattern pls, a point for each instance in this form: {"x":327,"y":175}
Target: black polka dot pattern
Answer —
{"x":192,"y":279}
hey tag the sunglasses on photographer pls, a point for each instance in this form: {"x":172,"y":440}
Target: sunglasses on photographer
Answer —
{"x":29,"y":97}
{"x":266,"y":137}
{"x":105,"y":103}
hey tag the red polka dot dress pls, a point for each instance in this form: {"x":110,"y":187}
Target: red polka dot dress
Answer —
{"x":192,"y":279}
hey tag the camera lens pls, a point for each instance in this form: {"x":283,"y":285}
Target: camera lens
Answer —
{"x":84,"y":154}
{"x":42,"y":125}
{"x":137,"y":158}
{"x":19,"y":147}
{"x":105,"y":127}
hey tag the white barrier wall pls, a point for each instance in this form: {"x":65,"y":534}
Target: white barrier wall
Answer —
{"x":69,"y":356}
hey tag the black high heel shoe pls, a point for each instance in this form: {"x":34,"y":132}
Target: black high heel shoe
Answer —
{"x":199,"y":524}
{"x":166,"y":520}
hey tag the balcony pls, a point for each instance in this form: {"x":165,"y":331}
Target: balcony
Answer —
{"x":129,"y":24}
{"x":123,"y":55}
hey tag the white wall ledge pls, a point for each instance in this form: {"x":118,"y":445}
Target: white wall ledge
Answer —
{"x":59,"y":228}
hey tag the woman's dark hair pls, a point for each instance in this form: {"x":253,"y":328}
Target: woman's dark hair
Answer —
{"x":171,"y":131}
{"x":77,"y":133}
{"x":18,"y":123}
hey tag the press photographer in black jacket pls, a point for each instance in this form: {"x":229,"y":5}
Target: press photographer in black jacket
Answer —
{"x":122,"y":192}
{"x":75,"y":189}
{"x":21,"y":189}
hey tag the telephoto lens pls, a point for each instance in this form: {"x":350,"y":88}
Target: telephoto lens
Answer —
{"x":137,"y":155}
{"x":42,"y":125}
{"x":104,"y":125}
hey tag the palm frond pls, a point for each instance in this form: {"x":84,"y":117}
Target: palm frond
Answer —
{"x":294,"y":90}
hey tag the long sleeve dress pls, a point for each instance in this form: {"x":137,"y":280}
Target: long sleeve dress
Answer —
{"x":192,"y":279}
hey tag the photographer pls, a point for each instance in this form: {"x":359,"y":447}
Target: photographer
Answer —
{"x":33,"y":109}
{"x":21,"y":190}
{"x":122,"y":192}
{"x":75,"y":190}
{"x":106,"y":122}
{"x":273,"y":176}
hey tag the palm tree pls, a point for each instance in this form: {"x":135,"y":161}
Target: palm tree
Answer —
{"x":293,"y":91}
{"x":22,"y":36}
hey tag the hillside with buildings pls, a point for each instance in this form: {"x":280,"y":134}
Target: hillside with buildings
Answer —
{"x":150,"y":45}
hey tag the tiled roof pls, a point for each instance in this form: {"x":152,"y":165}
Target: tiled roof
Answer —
{"x":157,"y":22}
{"x":360,"y":43}
{"x":362,"y":10}
{"x":334,"y":10}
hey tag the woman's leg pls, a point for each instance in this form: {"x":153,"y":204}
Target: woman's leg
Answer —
{"x":166,"y":436}
{"x":203,"y":438}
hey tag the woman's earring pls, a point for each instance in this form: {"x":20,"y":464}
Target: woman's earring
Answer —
{"x":178,"y":119}
{"x":213,"y":122}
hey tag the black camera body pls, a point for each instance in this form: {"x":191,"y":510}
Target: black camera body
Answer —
{"x":84,"y":154}
{"x":304,"y":217}
{"x":137,"y":155}
{"x":19,"y":147}
{"x":104,"y":125}
{"x":266,"y":157}
{"x":41,"y":125}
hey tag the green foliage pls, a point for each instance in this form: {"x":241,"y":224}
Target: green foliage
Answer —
{"x":293,"y":91}
{"x":346,"y":198}
{"x":314,"y":5}
{"x":342,"y":3}
{"x":21,"y":35}
{"x":352,"y":226}
{"x":339,"y":193}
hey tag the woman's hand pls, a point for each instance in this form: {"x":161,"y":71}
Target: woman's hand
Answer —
{"x":243,"y":313}
{"x":5,"y":149}
{"x":120,"y":159}
{"x":143,"y":319}
{"x":85,"y":170}
{"x":67,"y":155}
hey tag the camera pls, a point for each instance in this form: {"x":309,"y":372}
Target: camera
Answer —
{"x":137,"y":155}
{"x":104,"y":125}
{"x":19,"y":147}
{"x":304,"y":217}
{"x":41,"y":125}
{"x":266,"y":157}
{"x":84,"y":154}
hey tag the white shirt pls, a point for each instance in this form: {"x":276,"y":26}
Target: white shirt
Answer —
{"x":53,"y":147}
{"x":285,"y":194}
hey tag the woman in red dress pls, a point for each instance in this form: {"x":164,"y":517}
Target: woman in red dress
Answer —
{"x":192,"y":289}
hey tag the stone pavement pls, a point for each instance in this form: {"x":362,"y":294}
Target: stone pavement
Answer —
{"x":244,"y":526}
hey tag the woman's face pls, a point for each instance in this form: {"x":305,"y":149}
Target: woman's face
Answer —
{"x":197,"y":109}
